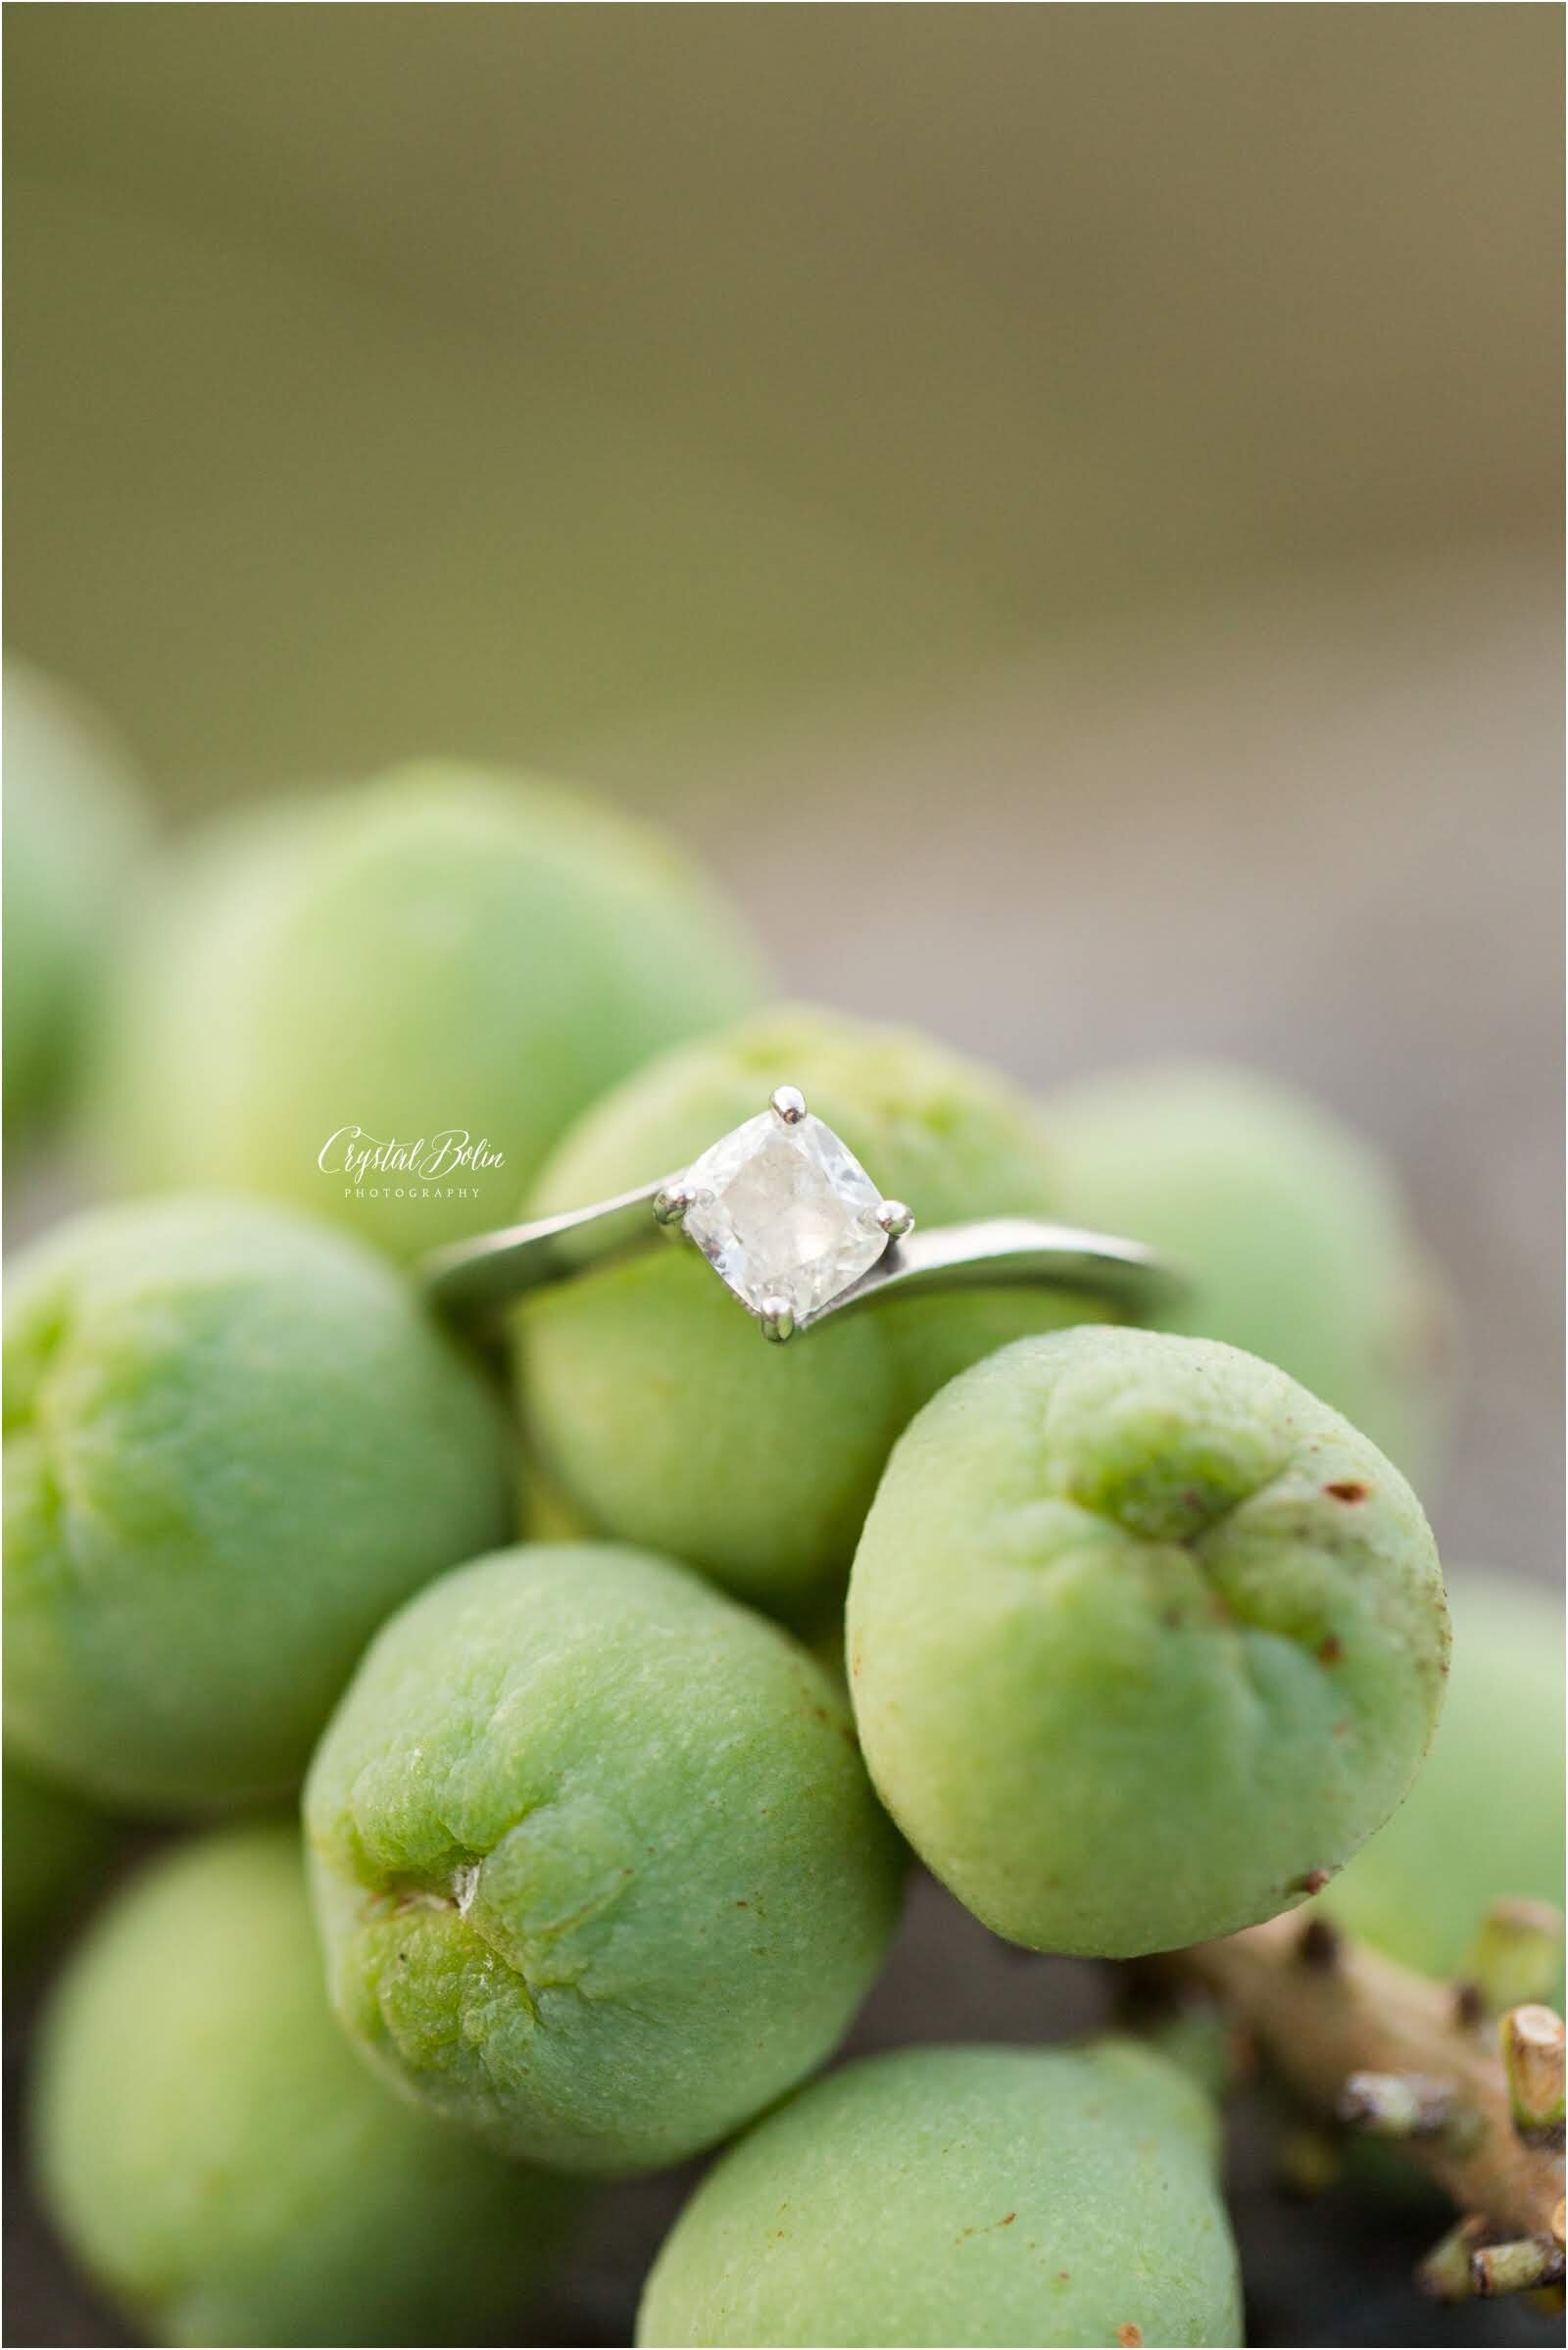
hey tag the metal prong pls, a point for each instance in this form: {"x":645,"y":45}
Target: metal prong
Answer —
{"x":789,"y":1103}
{"x":670,"y":1204}
{"x":895,"y":1219}
{"x":778,"y":1322}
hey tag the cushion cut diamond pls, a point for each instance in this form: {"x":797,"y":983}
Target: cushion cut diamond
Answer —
{"x":784,"y":1211}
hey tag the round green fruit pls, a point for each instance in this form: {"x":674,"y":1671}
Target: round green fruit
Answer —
{"x":72,"y":830}
{"x":1295,"y":1229}
{"x":232,"y":1444}
{"x":220,"y":2160}
{"x":1143,"y":1640}
{"x":978,"y":2195}
{"x":445,"y":966}
{"x":757,"y":1463}
{"x":598,"y":1869}
{"x":1483,"y":1821}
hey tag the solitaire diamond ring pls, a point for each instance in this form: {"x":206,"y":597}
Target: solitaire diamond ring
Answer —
{"x":795,"y":1229}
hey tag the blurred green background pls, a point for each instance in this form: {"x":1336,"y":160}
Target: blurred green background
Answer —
{"x":1059,"y":504}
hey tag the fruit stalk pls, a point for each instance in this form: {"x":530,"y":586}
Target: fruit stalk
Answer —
{"x":1373,"y":2045}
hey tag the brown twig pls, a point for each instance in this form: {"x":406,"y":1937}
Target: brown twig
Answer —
{"x":1476,"y":2106}
{"x":1533,"y":2059}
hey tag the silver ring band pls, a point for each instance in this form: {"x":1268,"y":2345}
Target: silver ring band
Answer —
{"x":472,"y":1276}
{"x":769,"y":1195}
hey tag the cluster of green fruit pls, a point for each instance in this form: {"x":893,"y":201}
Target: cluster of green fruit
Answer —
{"x":602,"y":1852}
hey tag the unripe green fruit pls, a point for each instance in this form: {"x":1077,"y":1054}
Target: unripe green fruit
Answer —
{"x":219,"y":2158}
{"x":1299,"y":1241}
{"x":55,"y":1847}
{"x":234,"y":1442}
{"x":977,"y":2195}
{"x":444,"y":950}
{"x":1483,"y":1821}
{"x":600,"y":1871}
{"x":72,"y":830}
{"x":1143,"y":1640}
{"x":757,"y":1463}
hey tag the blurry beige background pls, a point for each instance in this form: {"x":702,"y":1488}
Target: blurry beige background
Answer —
{"x":1061,"y":503}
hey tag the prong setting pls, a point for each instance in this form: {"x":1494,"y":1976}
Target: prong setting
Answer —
{"x":670,"y":1204}
{"x":784,"y":1212}
{"x":777,"y":1320}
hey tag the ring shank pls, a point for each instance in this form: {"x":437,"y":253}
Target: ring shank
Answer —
{"x":1017,"y":1252}
{"x":1010,"y":1251}
{"x":470,"y":1275}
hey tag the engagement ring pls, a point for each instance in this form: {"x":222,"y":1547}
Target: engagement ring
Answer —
{"x":795,"y":1229}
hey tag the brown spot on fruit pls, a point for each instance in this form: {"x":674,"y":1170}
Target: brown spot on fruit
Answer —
{"x":1348,"y":1489}
{"x":1329,"y":1652}
{"x":1131,"y":2337}
{"x":1007,"y":2222}
{"x":1312,"y":1882}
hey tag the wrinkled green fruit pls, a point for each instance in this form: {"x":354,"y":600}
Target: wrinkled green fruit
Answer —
{"x":445,"y":953}
{"x":1294,"y":1229}
{"x":757,"y":1463}
{"x":232,"y":1444}
{"x":600,"y":1871}
{"x":219,"y":2159}
{"x":976,"y":2195}
{"x":72,"y":830}
{"x":56,"y":1849}
{"x":1143,"y":1640}
{"x":1483,"y":1821}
